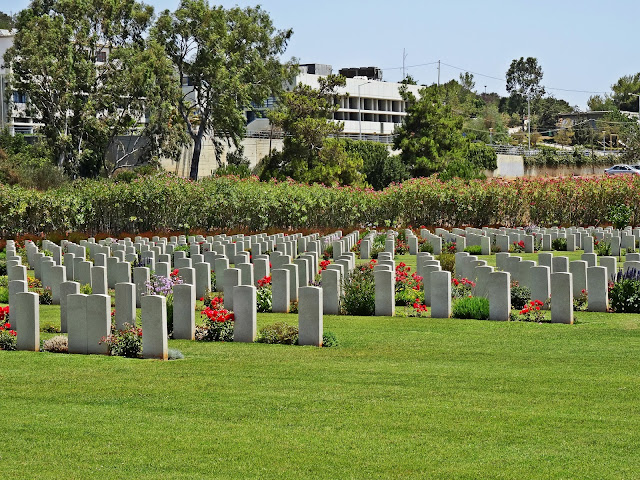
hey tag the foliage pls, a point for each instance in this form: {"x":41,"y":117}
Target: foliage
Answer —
{"x":4,"y":295}
{"x":430,"y":137}
{"x":305,"y":115}
{"x":160,"y":285}
{"x":425,"y":246}
{"x":473,"y":249}
{"x":86,"y":289}
{"x":280,"y":332}
{"x":559,"y":244}
{"x":520,"y":295}
{"x":44,"y":296}
{"x":329,"y":339}
{"x":164,"y":202}
{"x":49,"y":327}
{"x":471,"y":307}
{"x":85,"y":105}
{"x":218,"y":323}
{"x":554,"y":158}
{"x":461,"y":288}
{"x":358,"y":291}
{"x":264,"y":295}
{"x":379,"y":168}
{"x":7,"y":334}
{"x":408,"y":286}
{"x":482,"y":156}
{"x":447,"y":262}
{"x":517,"y":247}
{"x":581,"y":303}
{"x":524,"y":78}
{"x":624,"y":292}
{"x":602,"y":248}
{"x":620,"y":216}
{"x":230,"y":59}
{"x":126,"y":342}
{"x":57,"y":344}
{"x":531,"y":312}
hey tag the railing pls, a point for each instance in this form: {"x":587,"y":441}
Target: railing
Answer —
{"x":525,"y":152}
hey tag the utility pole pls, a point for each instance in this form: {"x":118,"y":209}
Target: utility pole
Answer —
{"x":404,"y":57}
{"x":604,"y":142}
{"x":529,"y":119}
{"x":438,"y":73}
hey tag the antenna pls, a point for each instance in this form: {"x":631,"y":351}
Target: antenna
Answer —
{"x":404,"y":57}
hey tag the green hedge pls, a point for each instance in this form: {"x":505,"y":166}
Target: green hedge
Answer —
{"x":165,"y":202}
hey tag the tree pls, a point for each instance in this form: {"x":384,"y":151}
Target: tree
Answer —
{"x":431,"y":135}
{"x":90,"y":76}
{"x":380,"y":168}
{"x":230,"y":59}
{"x":547,"y":111}
{"x":524,"y":77}
{"x":305,"y":115}
{"x":7,"y":22}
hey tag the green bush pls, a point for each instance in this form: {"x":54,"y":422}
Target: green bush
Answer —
{"x":474,"y":250}
{"x":126,"y":342}
{"x":86,"y":289}
{"x":483,"y":156}
{"x":448,"y":262}
{"x":624,"y":294}
{"x":520,"y":296}
{"x":3,"y":267}
{"x":425,"y":246}
{"x":4,"y":295}
{"x":471,"y":307}
{"x":264,"y":299}
{"x":329,"y":339}
{"x":602,"y":248}
{"x":358,"y":296}
{"x":559,"y":244}
{"x":280,"y":332}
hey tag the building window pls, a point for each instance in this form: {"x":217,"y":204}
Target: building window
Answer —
{"x":101,"y":57}
{"x":19,"y":97}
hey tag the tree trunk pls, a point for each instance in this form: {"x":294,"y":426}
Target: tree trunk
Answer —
{"x":195,"y":158}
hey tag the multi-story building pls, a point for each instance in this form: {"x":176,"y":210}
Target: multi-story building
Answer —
{"x":13,"y":107}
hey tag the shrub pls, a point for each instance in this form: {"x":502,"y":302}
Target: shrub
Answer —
{"x":425,"y":246}
{"x":280,"y":332}
{"x":531,"y":312}
{"x":519,"y":296}
{"x":183,"y":248}
{"x":4,"y":295}
{"x":471,"y":307}
{"x":474,"y":250}
{"x":461,"y":288}
{"x":624,"y":292}
{"x":3,"y":267}
{"x":264,"y":295}
{"x":559,"y":244}
{"x":517,"y":247}
{"x":86,"y":289}
{"x":329,"y":339}
{"x":126,"y":342}
{"x":602,"y":248}
{"x":408,"y":286}
{"x":448,"y":262}
{"x":218,"y":323}
{"x":620,"y":216}
{"x":581,"y":303}
{"x":57,"y":344}
{"x":7,"y":334}
{"x":45,"y":297}
{"x":358,"y":297}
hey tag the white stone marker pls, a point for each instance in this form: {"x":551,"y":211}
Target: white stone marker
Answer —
{"x":310,"y":313}
{"x":184,"y":305}
{"x":597,"y":287}
{"x":578,"y":270}
{"x":280,"y":290}
{"x":560,"y":265}
{"x":77,"y":323}
{"x":231,"y":280}
{"x":440,"y":294}
{"x":540,"y":283}
{"x":499,"y":296}
{"x":331,"y":292}
{"x":482,"y":281}
{"x":98,"y":320}
{"x":561,"y":298}
{"x":426,"y":281}
{"x":293,"y":281}
{"x":245,"y":312}
{"x":66,"y":289}
{"x":125,"y":304}
{"x":611,"y":264}
{"x":203,"y":279}
{"x":385,"y":302}
{"x":28,"y":317}
{"x":15,"y":287}
{"x":154,"y":327}
{"x":222,"y":265}
{"x":99,"y":281}
{"x":246,"y":273}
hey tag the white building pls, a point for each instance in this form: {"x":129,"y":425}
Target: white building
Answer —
{"x":13,"y":114}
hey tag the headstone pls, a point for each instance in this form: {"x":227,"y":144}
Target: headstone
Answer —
{"x":222,"y":265}
{"x":246,"y":273}
{"x":440,"y":294}
{"x":203,"y":279}
{"x":125,"y":304}
{"x":231,"y":280}
{"x":540,"y":283}
{"x":15,"y":287}
{"x":187,"y":274}
{"x":28,"y":318}
{"x":561,"y":298}
{"x":184,"y":305}
{"x":66,"y":289}
{"x":578,"y":270}
{"x":293,"y":281}
{"x":385,"y":301}
{"x":331,"y":292}
{"x":310,"y":313}
{"x":77,"y":323}
{"x":245,"y":313}
{"x":597,"y":287}
{"x":154,"y":327}
{"x":611,"y":264}
{"x":121,"y":273}
{"x":58,"y":276}
{"x":98,"y":320}
{"x":280,"y":291}
{"x":560,"y":265}
{"x":499,"y":296}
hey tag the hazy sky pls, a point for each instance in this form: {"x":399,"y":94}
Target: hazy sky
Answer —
{"x":581,"y":44}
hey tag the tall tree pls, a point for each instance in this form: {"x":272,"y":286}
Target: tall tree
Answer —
{"x":7,"y":22}
{"x":305,"y":115}
{"x":431,"y":136}
{"x":230,"y":61}
{"x":524,"y":77}
{"x":90,"y":76}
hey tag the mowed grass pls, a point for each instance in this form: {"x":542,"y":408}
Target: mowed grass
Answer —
{"x":399,"y":398}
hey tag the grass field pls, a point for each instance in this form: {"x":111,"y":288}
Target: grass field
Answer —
{"x":399,"y":398}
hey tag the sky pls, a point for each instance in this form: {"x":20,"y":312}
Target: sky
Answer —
{"x":583,"y":46}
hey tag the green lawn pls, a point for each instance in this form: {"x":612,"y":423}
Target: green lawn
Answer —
{"x":400,"y":398}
